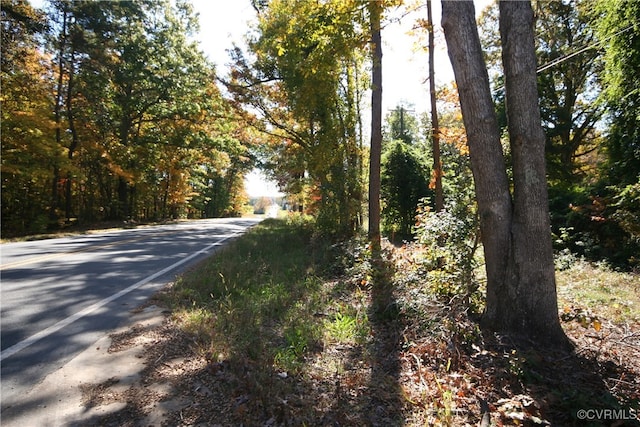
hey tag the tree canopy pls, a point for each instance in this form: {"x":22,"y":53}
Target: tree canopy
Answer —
{"x":122,"y":118}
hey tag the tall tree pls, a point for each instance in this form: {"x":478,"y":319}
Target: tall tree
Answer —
{"x":121,"y":94}
{"x":303,"y":85}
{"x":435,"y":128}
{"x":404,"y":173}
{"x":375,"y":17}
{"x":568,"y":81}
{"x":28,"y":150}
{"x":568,"y":84}
{"x":521,"y":291}
{"x":67,"y":45}
{"x":618,"y":25}
{"x":151,"y":73}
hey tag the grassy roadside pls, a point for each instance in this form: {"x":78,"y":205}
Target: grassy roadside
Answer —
{"x":285,"y":316}
{"x":256,"y":301}
{"x":287,"y":326}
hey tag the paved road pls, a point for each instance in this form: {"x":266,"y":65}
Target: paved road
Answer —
{"x":59,"y":296}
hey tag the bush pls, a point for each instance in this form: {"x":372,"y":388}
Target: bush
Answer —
{"x":404,"y":182}
{"x":450,"y":238}
{"x":597,"y":223}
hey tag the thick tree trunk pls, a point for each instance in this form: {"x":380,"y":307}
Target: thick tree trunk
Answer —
{"x":521,"y":298}
{"x":376,"y":126}
{"x":483,"y":138}
{"x":533,"y":288}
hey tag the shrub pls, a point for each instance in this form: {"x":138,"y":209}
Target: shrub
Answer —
{"x":450,"y":238}
{"x":404,"y":182}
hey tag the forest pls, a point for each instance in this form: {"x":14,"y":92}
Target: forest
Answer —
{"x":522,"y":177}
{"x":110,"y":111}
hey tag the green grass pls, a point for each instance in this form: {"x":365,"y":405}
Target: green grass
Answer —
{"x":610,"y":294}
{"x":261,"y":300}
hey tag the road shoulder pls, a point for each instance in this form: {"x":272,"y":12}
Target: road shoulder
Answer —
{"x":75,"y":393}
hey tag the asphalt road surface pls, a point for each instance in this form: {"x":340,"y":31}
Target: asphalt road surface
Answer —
{"x":59,"y":296}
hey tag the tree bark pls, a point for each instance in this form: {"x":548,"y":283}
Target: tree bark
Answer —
{"x":435,"y":127}
{"x":534,"y":286}
{"x":62,"y":43}
{"x":376,"y":125}
{"x":483,"y":138}
{"x":521,"y":298}
{"x":73,"y":145}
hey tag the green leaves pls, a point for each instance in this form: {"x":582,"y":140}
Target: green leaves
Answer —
{"x":304,"y":82}
{"x":138,"y":115}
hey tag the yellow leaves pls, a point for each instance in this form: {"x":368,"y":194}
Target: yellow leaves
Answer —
{"x":585,"y":318}
{"x":597,"y":325}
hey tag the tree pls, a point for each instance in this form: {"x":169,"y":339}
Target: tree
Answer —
{"x":568,"y":82}
{"x":617,"y":197}
{"x":617,"y":24}
{"x":404,"y":175}
{"x":28,"y":151}
{"x":435,"y":128}
{"x":302,"y":87}
{"x":142,"y":72}
{"x":568,"y":86}
{"x":375,"y":16}
{"x":401,"y":124}
{"x":111,"y":111}
{"x":404,"y":183}
{"x":521,"y":292}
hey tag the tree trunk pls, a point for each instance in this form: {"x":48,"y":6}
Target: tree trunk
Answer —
{"x":73,"y":145}
{"x":435,"y":128}
{"x":376,"y":125}
{"x":55,"y":199}
{"x":533,"y":288}
{"x":483,"y":138}
{"x":515,"y":235}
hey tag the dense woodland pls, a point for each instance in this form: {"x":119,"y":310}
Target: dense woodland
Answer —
{"x":110,"y":111}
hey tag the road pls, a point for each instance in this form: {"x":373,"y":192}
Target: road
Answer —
{"x":59,"y":296}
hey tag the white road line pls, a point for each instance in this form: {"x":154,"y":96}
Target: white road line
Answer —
{"x":8,"y":352}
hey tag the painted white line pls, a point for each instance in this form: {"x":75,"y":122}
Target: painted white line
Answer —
{"x":8,"y":352}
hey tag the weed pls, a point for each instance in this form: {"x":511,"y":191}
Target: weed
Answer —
{"x":197,"y":322}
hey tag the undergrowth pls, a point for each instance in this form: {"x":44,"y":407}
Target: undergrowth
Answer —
{"x":306,"y":331}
